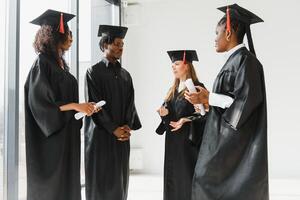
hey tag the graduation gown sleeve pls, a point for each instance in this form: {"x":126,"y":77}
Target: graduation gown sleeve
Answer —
{"x":102,"y":118}
{"x":132,"y":117}
{"x":248,"y":94}
{"x":165,"y":121}
{"x":42,"y":101}
{"x":163,"y":126}
{"x":197,"y":126}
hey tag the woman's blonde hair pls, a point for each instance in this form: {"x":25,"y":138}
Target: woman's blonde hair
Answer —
{"x":191,"y":73}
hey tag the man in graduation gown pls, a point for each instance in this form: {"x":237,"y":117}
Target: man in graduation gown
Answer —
{"x":107,"y":133}
{"x":233,"y":162}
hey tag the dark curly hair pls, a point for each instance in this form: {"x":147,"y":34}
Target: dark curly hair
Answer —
{"x":47,"y":39}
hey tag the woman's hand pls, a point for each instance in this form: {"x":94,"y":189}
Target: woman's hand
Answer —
{"x":163,"y":111}
{"x":206,"y":107}
{"x":87,"y":108}
{"x":96,"y":110}
{"x":199,"y":97}
{"x":198,"y":110}
{"x":177,"y":125}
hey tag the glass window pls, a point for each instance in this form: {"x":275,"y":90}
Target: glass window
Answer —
{"x":84,"y":61}
{"x":2,"y":74}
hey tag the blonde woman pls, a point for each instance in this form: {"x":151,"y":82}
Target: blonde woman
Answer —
{"x":183,"y":129}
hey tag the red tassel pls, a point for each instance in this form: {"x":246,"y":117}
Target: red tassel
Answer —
{"x":61,"y":24}
{"x":228,"y":21}
{"x":184,"y":57}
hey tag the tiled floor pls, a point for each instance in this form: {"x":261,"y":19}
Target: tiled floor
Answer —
{"x":149,"y":187}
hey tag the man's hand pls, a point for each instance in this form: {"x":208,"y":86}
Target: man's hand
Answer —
{"x":200,"y":97}
{"x":122,"y":134}
{"x":127,"y":128}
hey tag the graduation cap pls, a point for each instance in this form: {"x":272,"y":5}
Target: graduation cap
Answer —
{"x":113,"y":31}
{"x":243,"y":15}
{"x":55,"y":19}
{"x":184,"y":55}
{"x":115,"y":2}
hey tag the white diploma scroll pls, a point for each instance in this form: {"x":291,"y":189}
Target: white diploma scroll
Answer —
{"x":191,"y":87}
{"x":80,"y":115}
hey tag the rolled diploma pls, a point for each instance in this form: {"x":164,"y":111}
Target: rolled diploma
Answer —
{"x":80,"y":115}
{"x":191,"y":87}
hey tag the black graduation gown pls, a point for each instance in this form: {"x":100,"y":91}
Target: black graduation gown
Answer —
{"x":106,"y":158}
{"x":52,"y":136}
{"x":233,"y":162}
{"x":181,"y":148}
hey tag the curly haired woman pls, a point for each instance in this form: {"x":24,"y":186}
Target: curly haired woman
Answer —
{"x":51,"y":100}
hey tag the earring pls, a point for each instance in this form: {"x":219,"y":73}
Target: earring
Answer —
{"x":228,"y":34}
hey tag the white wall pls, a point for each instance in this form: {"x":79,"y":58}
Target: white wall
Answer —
{"x":190,"y":24}
{"x":101,"y":13}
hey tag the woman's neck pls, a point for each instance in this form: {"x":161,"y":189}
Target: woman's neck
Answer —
{"x":182,"y":79}
{"x":232,"y":45}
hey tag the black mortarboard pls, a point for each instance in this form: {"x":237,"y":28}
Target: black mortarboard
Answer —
{"x":184,"y":55}
{"x":113,"y":31}
{"x":54,"y":18}
{"x":115,"y":2}
{"x":243,"y":15}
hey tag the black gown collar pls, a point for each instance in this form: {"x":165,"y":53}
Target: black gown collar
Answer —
{"x":110,"y":64}
{"x":232,"y":56}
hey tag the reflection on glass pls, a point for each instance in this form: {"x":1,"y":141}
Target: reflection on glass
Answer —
{"x":2,"y":74}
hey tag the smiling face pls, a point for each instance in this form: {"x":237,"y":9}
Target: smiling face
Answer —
{"x":180,"y":69}
{"x":115,"y":49}
{"x":221,"y":41}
